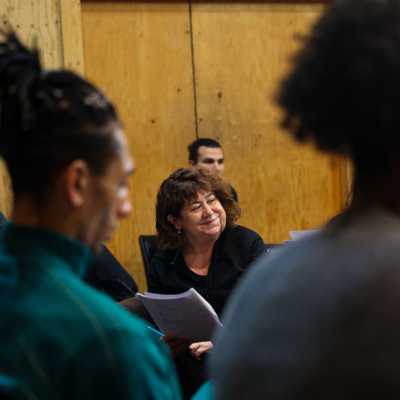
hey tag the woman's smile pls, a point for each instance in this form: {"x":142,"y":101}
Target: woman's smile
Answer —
{"x":210,"y":221}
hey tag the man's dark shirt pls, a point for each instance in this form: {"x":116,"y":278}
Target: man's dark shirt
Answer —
{"x":107,"y":275}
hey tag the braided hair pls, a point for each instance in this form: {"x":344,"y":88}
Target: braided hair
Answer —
{"x":48,"y":119}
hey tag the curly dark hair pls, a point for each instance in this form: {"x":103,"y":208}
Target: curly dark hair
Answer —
{"x":180,"y":188}
{"x":344,"y":90}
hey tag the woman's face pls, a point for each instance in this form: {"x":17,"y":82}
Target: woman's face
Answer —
{"x":203,"y":217}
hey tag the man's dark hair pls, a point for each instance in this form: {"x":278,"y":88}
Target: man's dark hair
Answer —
{"x":194,"y":147}
{"x":48,"y":119}
{"x":344,"y":90}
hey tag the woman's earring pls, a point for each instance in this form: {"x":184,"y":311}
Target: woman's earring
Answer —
{"x":179,"y":231}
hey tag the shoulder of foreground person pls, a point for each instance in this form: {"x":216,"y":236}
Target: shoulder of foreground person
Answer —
{"x":288,"y":314}
{"x":117,"y":357}
{"x":103,"y":352}
{"x":68,"y":341}
{"x":124,"y":364}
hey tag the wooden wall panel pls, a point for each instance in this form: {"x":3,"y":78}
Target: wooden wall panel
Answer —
{"x":38,"y":24}
{"x":71,"y":30}
{"x":140,"y":54}
{"x":241,"y":52}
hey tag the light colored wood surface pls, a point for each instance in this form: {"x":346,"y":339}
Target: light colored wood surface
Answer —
{"x":71,"y":30}
{"x":38,"y":24}
{"x":241,"y":52}
{"x":140,"y":54}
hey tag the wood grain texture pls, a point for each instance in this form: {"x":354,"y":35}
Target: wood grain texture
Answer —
{"x":241,"y":53}
{"x":38,"y":24}
{"x":71,"y":30}
{"x":140,"y":54}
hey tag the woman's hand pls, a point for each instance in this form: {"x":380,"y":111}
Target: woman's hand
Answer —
{"x":199,"y":348}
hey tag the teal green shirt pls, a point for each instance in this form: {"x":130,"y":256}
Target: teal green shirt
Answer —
{"x":61,"y":339}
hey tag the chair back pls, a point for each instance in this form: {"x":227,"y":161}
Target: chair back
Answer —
{"x":147,"y":244}
{"x":107,"y":275}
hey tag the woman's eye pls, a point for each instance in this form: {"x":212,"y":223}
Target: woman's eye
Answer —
{"x":211,"y":200}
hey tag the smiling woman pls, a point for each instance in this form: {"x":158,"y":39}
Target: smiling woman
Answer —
{"x":201,"y":247}
{"x":189,"y":195}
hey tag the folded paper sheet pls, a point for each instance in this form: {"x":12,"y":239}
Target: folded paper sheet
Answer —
{"x":185,"y":314}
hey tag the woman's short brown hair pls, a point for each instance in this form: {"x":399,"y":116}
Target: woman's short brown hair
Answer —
{"x":177,"y":190}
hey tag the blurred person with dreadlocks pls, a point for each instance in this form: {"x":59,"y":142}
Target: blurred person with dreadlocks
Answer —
{"x":67,"y":156}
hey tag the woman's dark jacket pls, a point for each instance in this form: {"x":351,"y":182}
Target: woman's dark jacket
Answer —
{"x":233,"y":252}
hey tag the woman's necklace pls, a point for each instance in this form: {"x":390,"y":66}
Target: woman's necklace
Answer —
{"x":199,"y":260}
{"x":200,"y":270}
{"x":198,"y":265}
